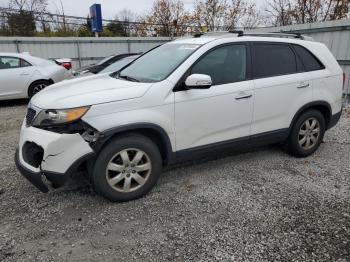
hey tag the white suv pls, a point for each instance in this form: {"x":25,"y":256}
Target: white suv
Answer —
{"x":184,"y":99}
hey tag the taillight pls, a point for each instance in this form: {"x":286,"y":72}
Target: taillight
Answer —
{"x":67,"y":65}
{"x":344,"y":78}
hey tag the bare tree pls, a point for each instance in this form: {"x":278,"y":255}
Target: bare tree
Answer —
{"x":210,"y":13}
{"x":341,"y":9}
{"x":61,"y":23}
{"x":167,"y":15}
{"x":125,"y":17}
{"x":280,"y":12}
{"x":34,"y":9}
{"x":241,"y":13}
{"x":252,"y":18}
{"x":285,"y":12}
{"x":234,"y":13}
{"x":29,"y":5}
{"x":226,"y":14}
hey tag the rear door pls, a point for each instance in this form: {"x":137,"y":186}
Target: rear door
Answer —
{"x":281,"y":86}
{"x":15,"y":74}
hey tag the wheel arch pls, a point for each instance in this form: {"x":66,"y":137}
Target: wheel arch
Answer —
{"x":36,"y":81}
{"x":322,"y":106}
{"x":152,"y":131}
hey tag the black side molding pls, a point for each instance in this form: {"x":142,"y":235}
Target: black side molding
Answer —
{"x":230,"y":147}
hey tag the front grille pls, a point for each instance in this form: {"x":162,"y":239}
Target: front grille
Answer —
{"x":30,"y":116}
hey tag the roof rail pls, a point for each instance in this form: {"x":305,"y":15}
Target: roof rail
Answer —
{"x":198,"y":35}
{"x":282,"y":35}
{"x":239,"y":32}
{"x":242,"y":33}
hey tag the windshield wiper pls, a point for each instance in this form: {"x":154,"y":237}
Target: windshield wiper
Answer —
{"x":129,"y":78}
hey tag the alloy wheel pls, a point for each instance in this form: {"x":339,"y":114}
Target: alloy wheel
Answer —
{"x":38,"y":88}
{"x":128,"y":170}
{"x":309,"y":133}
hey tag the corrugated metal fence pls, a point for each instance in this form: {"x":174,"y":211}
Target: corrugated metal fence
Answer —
{"x":83,"y":51}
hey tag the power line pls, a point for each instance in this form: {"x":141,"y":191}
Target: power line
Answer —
{"x":82,"y":18}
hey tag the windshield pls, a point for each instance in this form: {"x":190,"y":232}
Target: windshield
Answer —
{"x":159,"y":63}
{"x":104,"y":60}
{"x":116,"y":66}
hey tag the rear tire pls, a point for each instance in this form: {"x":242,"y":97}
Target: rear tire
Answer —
{"x":307,"y":134}
{"x":127,"y":168}
{"x":37,"y":86}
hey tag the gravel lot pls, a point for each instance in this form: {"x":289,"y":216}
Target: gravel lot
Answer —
{"x":257,"y":206}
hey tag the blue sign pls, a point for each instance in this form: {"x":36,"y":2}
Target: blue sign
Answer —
{"x":96,"y":18}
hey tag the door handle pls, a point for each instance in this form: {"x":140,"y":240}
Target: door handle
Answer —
{"x":304,"y":85}
{"x":243,"y":96}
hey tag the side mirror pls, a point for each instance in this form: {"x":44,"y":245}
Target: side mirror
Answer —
{"x":198,"y":81}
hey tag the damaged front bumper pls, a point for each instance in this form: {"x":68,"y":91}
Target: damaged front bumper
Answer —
{"x":44,"y":155}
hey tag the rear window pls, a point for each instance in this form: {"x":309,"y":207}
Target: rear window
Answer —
{"x":310,"y":62}
{"x":273,"y":60}
{"x":104,"y":60}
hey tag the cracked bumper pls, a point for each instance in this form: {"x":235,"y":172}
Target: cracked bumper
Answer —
{"x":34,"y":177}
{"x":61,"y":153}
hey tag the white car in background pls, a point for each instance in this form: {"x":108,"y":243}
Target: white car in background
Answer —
{"x":23,"y":75}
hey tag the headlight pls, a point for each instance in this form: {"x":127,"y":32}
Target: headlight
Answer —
{"x":59,"y":116}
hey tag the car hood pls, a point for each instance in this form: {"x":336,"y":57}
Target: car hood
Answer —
{"x":90,"y":90}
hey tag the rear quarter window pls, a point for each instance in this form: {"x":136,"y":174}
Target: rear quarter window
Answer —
{"x":310,"y":62}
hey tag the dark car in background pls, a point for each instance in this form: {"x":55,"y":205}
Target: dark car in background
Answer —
{"x":96,"y":68}
{"x":114,"y":67}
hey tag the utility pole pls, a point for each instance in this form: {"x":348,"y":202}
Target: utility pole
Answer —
{"x":173,"y":32}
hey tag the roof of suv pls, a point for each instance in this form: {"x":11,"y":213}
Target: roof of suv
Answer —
{"x":318,"y":49}
{"x":239,"y":37}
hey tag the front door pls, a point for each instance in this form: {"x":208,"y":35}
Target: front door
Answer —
{"x":224,"y":111}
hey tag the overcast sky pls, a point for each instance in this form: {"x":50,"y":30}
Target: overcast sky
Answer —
{"x":109,"y":7}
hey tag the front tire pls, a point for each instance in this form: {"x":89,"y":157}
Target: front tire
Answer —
{"x":127,"y":168}
{"x":307,"y":134}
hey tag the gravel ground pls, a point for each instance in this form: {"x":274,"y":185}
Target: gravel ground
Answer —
{"x":257,"y":206}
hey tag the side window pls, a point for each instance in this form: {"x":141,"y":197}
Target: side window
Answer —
{"x":273,"y":60}
{"x":224,"y":65}
{"x":310,"y":62}
{"x":9,"y":62}
{"x":25,"y":63}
